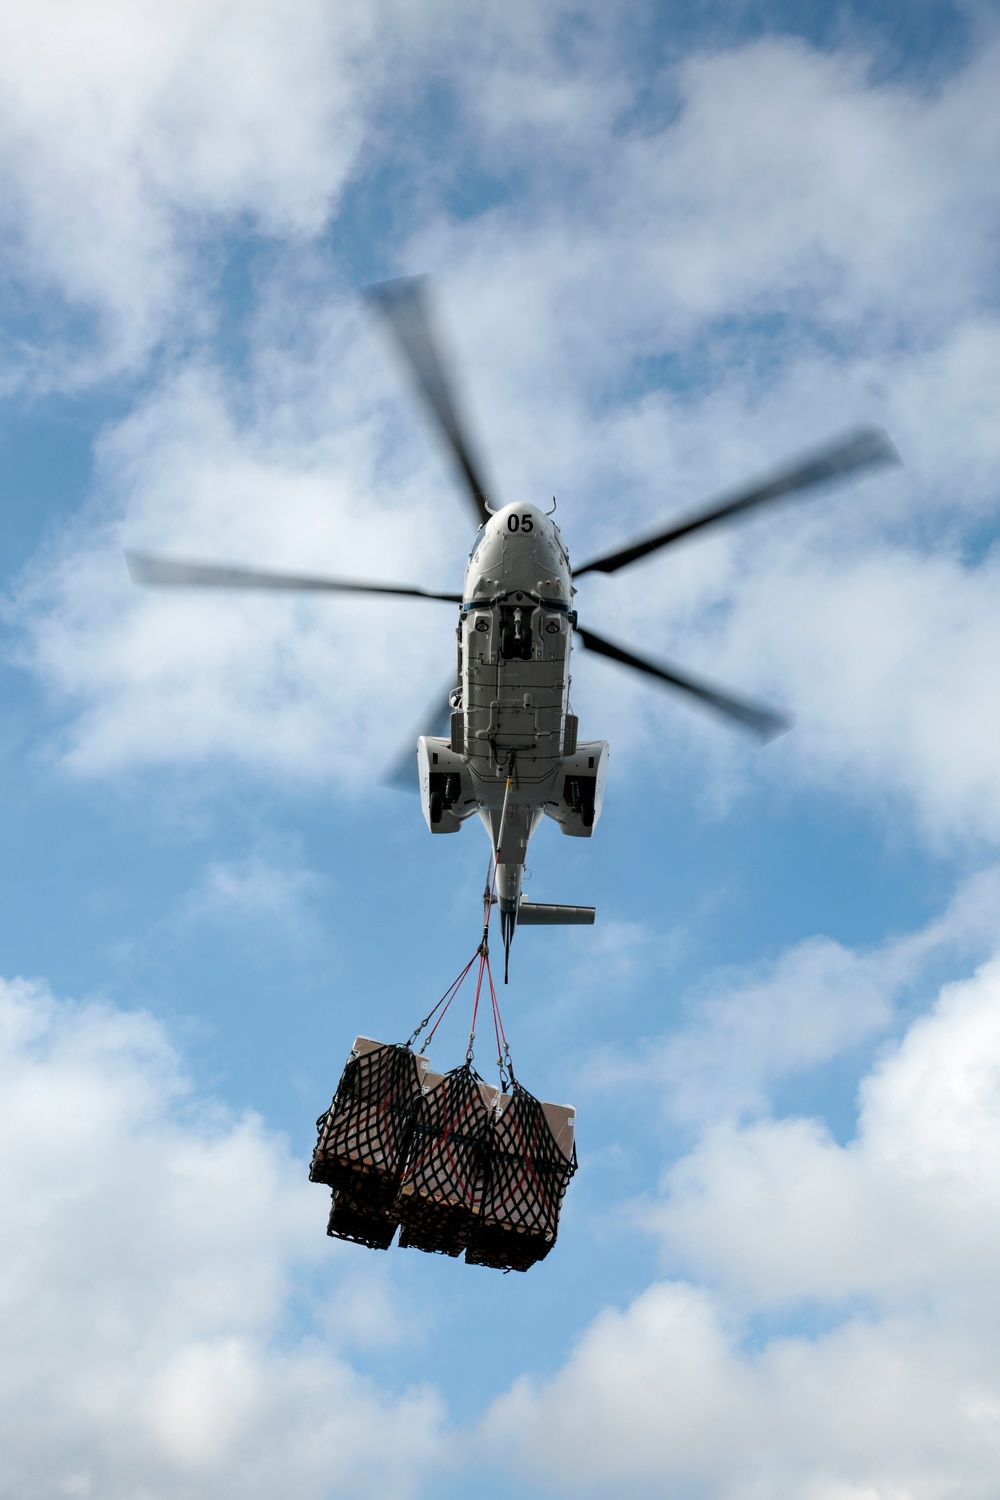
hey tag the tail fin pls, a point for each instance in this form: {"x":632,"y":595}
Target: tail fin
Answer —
{"x":508,"y":921}
{"x":543,"y":914}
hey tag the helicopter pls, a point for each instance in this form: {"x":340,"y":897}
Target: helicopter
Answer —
{"x":511,"y":753}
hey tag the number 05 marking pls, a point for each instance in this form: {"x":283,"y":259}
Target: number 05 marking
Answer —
{"x":520,"y":523}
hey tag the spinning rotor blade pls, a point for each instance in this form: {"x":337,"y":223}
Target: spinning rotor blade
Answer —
{"x":167,"y":572}
{"x":403,"y":773}
{"x":762,"y":721}
{"x":403,"y":305}
{"x":862,"y":450}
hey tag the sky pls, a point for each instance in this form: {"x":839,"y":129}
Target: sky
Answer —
{"x":672,"y":246}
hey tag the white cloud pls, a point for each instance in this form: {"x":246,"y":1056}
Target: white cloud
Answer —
{"x":256,"y":889}
{"x":129,"y":131}
{"x":662,"y":1400}
{"x":744,"y":1032}
{"x":909,"y":1209}
{"x":889,"y":1240}
{"x":151,"y":1250}
{"x":300,"y":687}
{"x":892,"y":673}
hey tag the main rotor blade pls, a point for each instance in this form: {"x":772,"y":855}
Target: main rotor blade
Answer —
{"x":402,"y":774}
{"x":765,"y":723}
{"x":403,"y":305}
{"x":167,"y":572}
{"x":862,"y":450}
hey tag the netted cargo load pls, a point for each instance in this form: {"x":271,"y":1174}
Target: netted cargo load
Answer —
{"x":530,"y":1162}
{"x":360,"y":1214}
{"x":364,"y":1135}
{"x":451,"y":1162}
{"x":441,"y":1188}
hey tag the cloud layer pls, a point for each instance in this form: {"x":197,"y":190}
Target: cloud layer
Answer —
{"x":885,"y":1244}
{"x":153,"y":1253}
{"x":129,"y":134}
{"x":164,"y":1326}
{"x":654,"y":287}
{"x":658,"y":308}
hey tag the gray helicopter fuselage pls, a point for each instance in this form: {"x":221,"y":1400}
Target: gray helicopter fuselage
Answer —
{"x":512,"y":754}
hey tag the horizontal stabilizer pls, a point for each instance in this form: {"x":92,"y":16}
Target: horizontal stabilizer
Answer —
{"x":539,"y":914}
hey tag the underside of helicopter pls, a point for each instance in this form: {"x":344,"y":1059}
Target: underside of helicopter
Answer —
{"x":505,"y":738}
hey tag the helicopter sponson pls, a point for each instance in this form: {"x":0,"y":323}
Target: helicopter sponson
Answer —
{"x":512,"y":754}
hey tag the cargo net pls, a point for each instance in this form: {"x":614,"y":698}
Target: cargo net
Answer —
{"x":485,"y":1174}
{"x":527,"y":1176}
{"x":441,"y":1190}
{"x":361,"y":1216}
{"x":456,"y":1164}
{"x":363,"y":1139}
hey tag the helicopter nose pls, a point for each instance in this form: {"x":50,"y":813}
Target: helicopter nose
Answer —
{"x":519,"y":522}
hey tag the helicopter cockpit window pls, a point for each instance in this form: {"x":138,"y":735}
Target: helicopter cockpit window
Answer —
{"x":477,"y":539}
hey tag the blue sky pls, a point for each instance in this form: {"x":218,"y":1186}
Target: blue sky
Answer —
{"x":672,"y":247}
